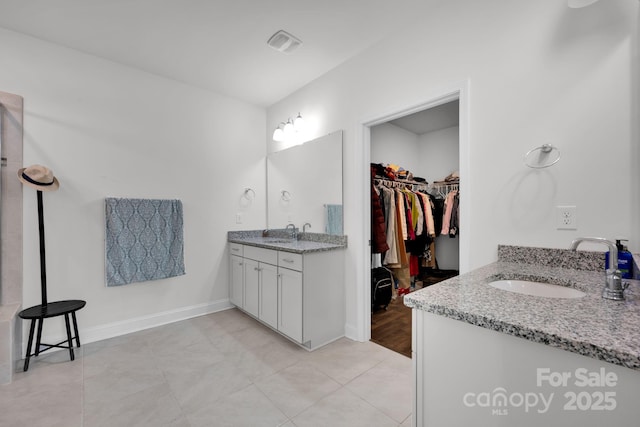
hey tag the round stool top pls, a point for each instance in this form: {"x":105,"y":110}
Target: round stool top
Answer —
{"x":52,"y":309}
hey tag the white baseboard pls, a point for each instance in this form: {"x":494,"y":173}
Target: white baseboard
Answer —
{"x":123,"y":327}
{"x":115,"y":329}
{"x":351,"y":332}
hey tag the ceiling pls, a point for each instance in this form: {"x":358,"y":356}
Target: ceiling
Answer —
{"x":218,"y":45}
{"x":441,"y":117}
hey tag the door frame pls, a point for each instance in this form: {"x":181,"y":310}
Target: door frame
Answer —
{"x":458,"y":91}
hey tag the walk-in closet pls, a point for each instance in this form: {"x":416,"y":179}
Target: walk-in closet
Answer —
{"x":415,"y":204}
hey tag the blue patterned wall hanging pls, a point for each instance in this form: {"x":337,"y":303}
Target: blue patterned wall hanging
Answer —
{"x":144,"y":240}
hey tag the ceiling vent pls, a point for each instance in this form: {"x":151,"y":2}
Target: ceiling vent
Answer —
{"x":284,"y":42}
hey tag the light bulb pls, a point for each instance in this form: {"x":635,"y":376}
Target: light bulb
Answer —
{"x":278,"y":134}
{"x":298,"y":123}
{"x":288,"y":127}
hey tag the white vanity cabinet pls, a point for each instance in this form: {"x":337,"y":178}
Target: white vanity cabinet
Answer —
{"x":236,"y":269}
{"x":261,"y":284}
{"x":290,"y":296}
{"x":299,"y":295}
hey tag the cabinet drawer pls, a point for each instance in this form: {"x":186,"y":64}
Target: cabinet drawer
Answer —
{"x":235,"y":249}
{"x":290,"y":260}
{"x":260,"y":254}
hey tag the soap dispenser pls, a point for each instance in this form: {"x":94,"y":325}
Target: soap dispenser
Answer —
{"x":625,"y":260}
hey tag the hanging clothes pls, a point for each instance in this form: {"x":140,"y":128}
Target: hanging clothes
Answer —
{"x":410,"y":219}
{"x":448,"y":210}
{"x":455,"y":217}
{"x":378,"y":227}
{"x":389,"y":203}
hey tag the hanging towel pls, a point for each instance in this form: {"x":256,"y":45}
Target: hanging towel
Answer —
{"x":144,"y":240}
{"x":334,"y":220}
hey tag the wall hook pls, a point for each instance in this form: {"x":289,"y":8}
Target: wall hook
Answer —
{"x":249,"y":194}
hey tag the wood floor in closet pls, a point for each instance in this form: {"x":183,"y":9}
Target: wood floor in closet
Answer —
{"x":391,"y":328}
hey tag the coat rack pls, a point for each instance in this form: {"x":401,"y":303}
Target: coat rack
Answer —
{"x":41,"y":179}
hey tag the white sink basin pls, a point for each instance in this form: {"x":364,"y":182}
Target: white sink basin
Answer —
{"x":537,"y":289}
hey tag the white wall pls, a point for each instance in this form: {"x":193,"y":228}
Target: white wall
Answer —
{"x":538,"y":72}
{"x":109,"y":130}
{"x":392,"y":144}
{"x":439,"y":153}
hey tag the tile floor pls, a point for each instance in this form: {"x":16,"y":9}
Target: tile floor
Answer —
{"x":223,"y":369}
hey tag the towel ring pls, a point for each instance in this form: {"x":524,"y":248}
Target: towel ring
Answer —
{"x":542,"y":157}
{"x":249,"y":194}
{"x":285,"y":195}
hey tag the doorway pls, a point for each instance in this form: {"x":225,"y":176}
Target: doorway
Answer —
{"x":414,"y":157}
{"x":458,"y":93}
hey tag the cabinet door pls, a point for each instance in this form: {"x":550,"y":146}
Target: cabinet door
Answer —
{"x":290,"y":303}
{"x":251,"y":287}
{"x":236,"y":288}
{"x":269,"y":294}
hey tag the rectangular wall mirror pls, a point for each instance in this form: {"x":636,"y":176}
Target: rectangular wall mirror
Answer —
{"x":304,"y":185}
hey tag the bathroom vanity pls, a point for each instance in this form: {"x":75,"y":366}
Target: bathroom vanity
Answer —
{"x":484,"y":356}
{"x":294,"y":286}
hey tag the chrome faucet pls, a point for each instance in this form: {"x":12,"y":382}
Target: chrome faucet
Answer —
{"x":613,"y":287}
{"x":294,"y":231}
{"x":304,"y":227}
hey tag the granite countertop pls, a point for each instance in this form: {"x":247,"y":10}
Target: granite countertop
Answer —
{"x":281,"y":240}
{"x":591,"y":326}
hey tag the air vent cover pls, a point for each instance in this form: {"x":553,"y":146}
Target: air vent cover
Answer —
{"x":284,"y":42}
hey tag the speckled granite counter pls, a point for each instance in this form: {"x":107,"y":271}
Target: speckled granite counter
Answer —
{"x":282,"y":241}
{"x":590,"y":326}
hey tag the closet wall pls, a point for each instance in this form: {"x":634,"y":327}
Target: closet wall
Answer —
{"x":433,"y":156}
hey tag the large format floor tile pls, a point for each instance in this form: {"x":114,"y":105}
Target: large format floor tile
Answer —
{"x":223,"y":369}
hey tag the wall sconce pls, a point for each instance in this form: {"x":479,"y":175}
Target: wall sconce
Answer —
{"x":286,"y":130}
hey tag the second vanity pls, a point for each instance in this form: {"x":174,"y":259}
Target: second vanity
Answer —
{"x":293,"y":285}
{"x":487,"y":357}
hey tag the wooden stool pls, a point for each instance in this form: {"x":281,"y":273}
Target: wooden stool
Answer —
{"x":38,"y":313}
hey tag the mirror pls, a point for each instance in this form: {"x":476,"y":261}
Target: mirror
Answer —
{"x":304,"y":185}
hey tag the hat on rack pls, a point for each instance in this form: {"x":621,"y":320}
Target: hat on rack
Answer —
{"x":39,"y":177}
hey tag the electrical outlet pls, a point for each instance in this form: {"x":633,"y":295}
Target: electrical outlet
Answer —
{"x":566,"y":218}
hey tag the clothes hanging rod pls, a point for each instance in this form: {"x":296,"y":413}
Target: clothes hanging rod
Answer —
{"x":400,"y":183}
{"x":443,"y":188}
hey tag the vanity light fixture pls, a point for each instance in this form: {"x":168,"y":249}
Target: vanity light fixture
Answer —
{"x":286,"y":130}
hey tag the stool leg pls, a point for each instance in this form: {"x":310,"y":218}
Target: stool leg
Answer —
{"x":40,"y":321}
{"x":69,"y":340}
{"x":75,"y":328}
{"x":31,"y":329}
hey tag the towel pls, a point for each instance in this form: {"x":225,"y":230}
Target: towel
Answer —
{"x":334,"y":220}
{"x":144,"y":240}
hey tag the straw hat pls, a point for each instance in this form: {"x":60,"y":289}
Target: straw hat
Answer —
{"x":39,"y":177}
